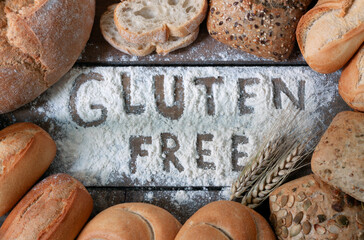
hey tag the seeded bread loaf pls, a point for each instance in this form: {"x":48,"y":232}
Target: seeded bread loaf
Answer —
{"x":56,"y":208}
{"x":131,"y":221}
{"x":26,"y":151}
{"x":154,"y":21}
{"x":263,"y":28}
{"x":330,"y":33}
{"x":112,"y":36}
{"x":225,"y":220}
{"x":308,"y":208}
{"x":39,"y":42}
{"x":351,"y":84}
{"x":339,"y":157}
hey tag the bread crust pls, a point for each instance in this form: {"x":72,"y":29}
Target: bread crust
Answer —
{"x":351,"y":87}
{"x":26,"y":151}
{"x":51,"y":34}
{"x":226,"y":220}
{"x":339,"y":157}
{"x":56,"y":208}
{"x":161,"y":34}
{"x":130,"y":221}
{"x":307,"y":208}
{"x":263,"y":28}
{"x":333,"y":55}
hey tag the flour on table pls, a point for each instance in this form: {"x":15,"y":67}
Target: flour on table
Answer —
{"x":102,"y":114}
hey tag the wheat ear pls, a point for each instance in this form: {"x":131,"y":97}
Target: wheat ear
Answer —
{"x":253,"y":171}
{"x":273,"y":178}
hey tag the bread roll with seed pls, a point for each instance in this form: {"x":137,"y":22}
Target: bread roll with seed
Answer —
{"x":226,"y":220}
{"x":263,"y":28}
{"x":112,"y":36}
{"x":351,"y":84}
{"x":39,"y":43}
{"x":330,"y":33}
{"x":339,"y":157}
{"x":56,"y":208}
{"x":154,"y":21}
{"x":307,"y":208}
{"x":26,"y":151}
{"x":130,"y":221}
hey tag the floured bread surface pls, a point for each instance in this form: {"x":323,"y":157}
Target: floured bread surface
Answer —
{"x":112,"y":36}
{"x":143,"y":21}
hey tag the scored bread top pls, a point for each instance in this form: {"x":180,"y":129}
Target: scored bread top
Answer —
{"x":145,"y":21}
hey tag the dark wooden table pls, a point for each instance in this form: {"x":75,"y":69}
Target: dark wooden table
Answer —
{"x":181,"y":201}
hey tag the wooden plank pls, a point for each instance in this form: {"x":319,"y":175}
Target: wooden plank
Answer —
{"x":126,"y":141}
{"x":204,"y":51}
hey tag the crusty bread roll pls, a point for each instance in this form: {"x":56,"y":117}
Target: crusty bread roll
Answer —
{"x":154,"y":21}
{"x":132,"y":221}
{"x":308,"y":208}
{"x":330,"y":33}
{"x":112,"y":36}
{"x":263,"y":28}
{"x":339,"y":157}
{"x":39,"y":42}
{"x":351,"y":84}
{"x":26,"y":151}
{"x":56,"y":208}
{"x":226,"y":220}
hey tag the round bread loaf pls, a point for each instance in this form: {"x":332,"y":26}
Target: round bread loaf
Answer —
{"x":26,"y":151}
{"x":56,"y":208}
{"x":351,"y":84}
{"x":132,"y":221}
{"x":330,"y":33}
{"x":263,"y":28}
{"x":226,"y":220}
{"x":308,"y":208}
{"x":39,"y":42}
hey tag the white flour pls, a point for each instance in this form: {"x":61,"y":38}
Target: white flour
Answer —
{"x":100,"y":155}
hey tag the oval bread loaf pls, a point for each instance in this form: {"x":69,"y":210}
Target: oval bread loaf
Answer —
{"x":26,"y":151}
{"x":263,"y":28}
{"x":330,"y":33}
{"x":308,"y":208}
{"x":39,"y":43}
{"x":132,"y":221}
{"x":351,"y":84}
{"x":56,"y":208}
{"x":226,"y":220}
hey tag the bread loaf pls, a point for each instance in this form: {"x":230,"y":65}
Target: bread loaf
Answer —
{"x":154,"y":21}
{"x":226,"y":220}
{"x":339,"y":157}
{"x":26,"y":151}
{"x":351,"y":84}
{"x":39,"y":43}
{"x":308,"y":208}
{"x":330,"y":33}
{"x":263,"y":28}
{"x":130,"y":221}
{"x":56,"y":208}
{"x":112,"y":36}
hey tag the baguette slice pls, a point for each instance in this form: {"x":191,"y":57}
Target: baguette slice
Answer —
{"x":330,"y":33}
{"x":112,"y":36}
{"x":56,"y":208}
{"x":146,"y":21}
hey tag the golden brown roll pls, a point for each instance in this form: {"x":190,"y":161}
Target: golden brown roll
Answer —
{"x":226,"y":220}
{"x":26,"y":151}
{"x":132,"y":221}
{"x":56,"y":208}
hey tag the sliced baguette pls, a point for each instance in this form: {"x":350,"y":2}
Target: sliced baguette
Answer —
{"x":330,"y":33}
{"x":112,"y":36}
{"x":146,"y":21}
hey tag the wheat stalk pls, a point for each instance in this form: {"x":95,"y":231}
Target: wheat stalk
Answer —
{"x":252,"y":172}
{"x":275,"y":177}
